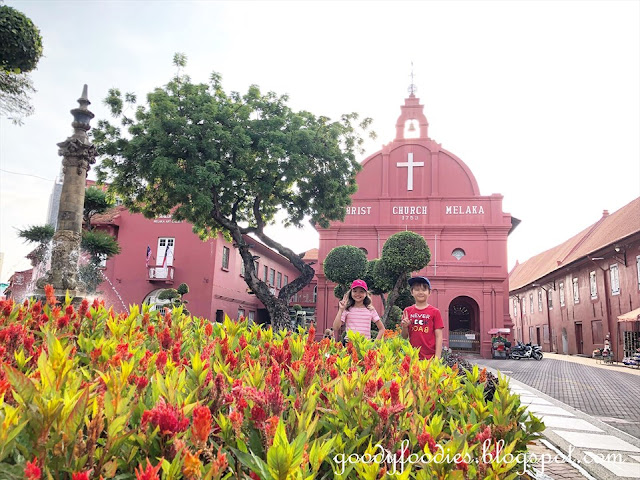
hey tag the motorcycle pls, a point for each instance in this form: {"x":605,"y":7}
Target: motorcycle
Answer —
{"x":526,"y":351}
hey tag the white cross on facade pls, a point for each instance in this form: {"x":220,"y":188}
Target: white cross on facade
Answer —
{"x":410,"y":164}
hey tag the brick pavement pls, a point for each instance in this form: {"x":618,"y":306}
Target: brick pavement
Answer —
{"x":611,"y":396}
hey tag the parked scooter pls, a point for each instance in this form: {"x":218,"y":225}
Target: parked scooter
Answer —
{"x":521,"y":350}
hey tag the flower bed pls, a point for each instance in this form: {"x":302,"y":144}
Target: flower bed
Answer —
{"x":88,"y":394}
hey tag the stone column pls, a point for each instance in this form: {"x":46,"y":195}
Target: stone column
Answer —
{"x":78,"y":154}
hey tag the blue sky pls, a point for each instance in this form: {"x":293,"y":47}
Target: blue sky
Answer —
{"x":539,"y":99}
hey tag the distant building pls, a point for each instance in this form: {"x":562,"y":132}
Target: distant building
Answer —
{"x":213,"y":269}
{"x":568,"y":298}
{"x":54,"y":201}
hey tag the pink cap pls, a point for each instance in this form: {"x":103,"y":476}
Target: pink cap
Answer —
{"x":359,"y":283}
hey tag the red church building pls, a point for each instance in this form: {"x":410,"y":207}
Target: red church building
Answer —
{"x":414,"y":184}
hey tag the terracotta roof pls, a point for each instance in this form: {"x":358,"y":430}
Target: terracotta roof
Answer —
{"x":311,"y":254}
{"x":107,"y":217}
{"x":606,"y":231}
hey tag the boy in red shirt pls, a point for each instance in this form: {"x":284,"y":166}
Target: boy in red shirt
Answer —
{"x":421,"y":322}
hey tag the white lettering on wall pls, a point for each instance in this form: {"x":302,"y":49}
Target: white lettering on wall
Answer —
{"x":464,"y":210}
{"x":409,"y":210}
{"x":358,"y":210}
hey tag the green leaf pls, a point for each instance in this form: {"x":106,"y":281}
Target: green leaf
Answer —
{"x":20,"y":383}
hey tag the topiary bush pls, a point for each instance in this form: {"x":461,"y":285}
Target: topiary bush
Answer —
{"x":88,"y":393}
{"x":405,"y":252}
{"x":344,"y":264}
{"x":20,"y":41}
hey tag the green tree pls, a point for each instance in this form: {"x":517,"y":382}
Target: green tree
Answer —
{"x":20,"y":51}
{"x":402,"y":253}
{"x":343,"y":265}
{"x":95,"y":201}
{"x":41,"y":235}
{"x":176,"y":296}
{"x":227,"y":163}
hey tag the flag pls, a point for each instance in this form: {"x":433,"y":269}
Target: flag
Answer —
{"x":148,"y":254}
{"x":166,"y":253}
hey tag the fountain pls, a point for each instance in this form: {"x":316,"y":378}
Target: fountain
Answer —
{"x":78,"y":153}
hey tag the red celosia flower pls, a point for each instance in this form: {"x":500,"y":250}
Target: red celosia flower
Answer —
{"x":219,"y":464}
{"x":69,"y":310}
{"x":426,"y":439}
{"x":208,"y":329}
{"x":36,"y":308}
{"x":95,"y":354}
{"x":312,"y":334}
{"x":63,"y":321}
{"x":31,"y":469}
{"x":254,"y":476}
{"x":8,"y":307}
{"x":201,"y":424}
{"x":164,"y":338}
{"x":461,"y":464}
{"x":394,"y":389}
{"x":270,"y":428}
{"x":168,"y":418}
{"x":84,"y":307}
{"x":161,"y":360}
{"x":148,"y":473}
{"x":4,"y":386}
{"x":258,"y":415}
{"x":49,"y":293}
{"x":243,"y":342}
{"x":80,"y":476}
{"x":236,"y":419}
{"x":151,"y":330}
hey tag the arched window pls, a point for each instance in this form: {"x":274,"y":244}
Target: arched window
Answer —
{"x":315,"y":294}
{"x":152,"y":299}
{"x":458,"y":253}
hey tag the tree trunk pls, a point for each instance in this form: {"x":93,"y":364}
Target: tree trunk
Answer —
{"x":393,"y":295}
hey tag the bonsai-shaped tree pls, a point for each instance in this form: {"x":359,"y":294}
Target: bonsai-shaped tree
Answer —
{"x":343,"y":265}
{"x":175,"y":296}
{"x":402,"y":253}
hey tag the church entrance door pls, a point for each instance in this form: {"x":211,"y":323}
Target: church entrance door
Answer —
{"x":464,"y":325}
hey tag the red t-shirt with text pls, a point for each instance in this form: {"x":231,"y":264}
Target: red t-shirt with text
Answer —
{"x":422,"y":326}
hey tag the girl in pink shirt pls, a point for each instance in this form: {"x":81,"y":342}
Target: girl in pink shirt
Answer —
{"x":357,"y":313}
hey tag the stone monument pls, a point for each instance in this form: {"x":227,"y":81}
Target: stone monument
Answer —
{"x":78,"y":153}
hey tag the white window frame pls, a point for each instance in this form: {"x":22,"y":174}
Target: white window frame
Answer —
{"x":279,"y":276}
{"x":272,"y":277}
{"x":266,"y":274}
{"x":593,"y":284}
{"x":561,"y":289}
{"x":531,"y":303}
{"x":576,"y":290}
{"x":225,"y":258}
{"x":549,"y":299}
{"x":515,"y":308}
{"x":286,"y":280}
{"x":615,"y":279}
{"x":240,"y":313}
{"x":638,"y":270}
{"x":539,"y":299}
{"x":523,"y":307}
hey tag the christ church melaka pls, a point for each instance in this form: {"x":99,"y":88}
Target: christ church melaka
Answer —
{"x":414,"y":184}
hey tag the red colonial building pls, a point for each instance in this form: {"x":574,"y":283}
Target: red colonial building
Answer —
{"x":213,"y":269}
{"x":414,"y":184}
{"x":568,"y":298}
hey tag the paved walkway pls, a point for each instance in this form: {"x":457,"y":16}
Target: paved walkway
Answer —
{"x":567,"y":393}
